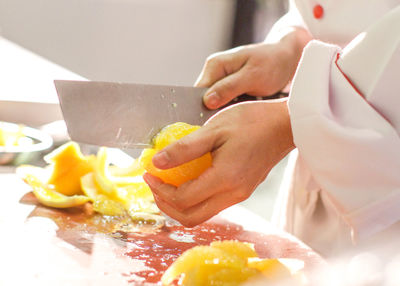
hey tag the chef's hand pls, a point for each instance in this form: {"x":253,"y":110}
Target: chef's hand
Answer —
{"x":259,"y":69}
{"x":245,"y":140}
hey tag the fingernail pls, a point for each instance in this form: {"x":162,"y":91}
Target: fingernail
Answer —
{"x":151,"y":181}
{"x":212,"y":99}
{"x":161,"y":159}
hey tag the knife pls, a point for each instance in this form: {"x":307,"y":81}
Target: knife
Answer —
{"x":126,"y":115}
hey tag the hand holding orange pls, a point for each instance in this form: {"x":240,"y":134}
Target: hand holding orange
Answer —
{"x":180,"y":174}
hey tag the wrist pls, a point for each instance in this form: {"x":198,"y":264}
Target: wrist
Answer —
{"x":285,"y":133}
{"x":292,"y":44}
{"x":277,"y":125}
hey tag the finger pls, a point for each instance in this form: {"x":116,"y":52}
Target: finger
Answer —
{"x":153,"y":181}
{"x":226,"y":89}
{"x":191,"y":193}
{"x":221,"y":64}
{"x":161,"y":190}
{"x":186,"y":149}
{"x":201,"y":212}
{"x":213,"y":70}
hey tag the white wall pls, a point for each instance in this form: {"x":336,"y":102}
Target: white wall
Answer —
{"x":149,"y":41}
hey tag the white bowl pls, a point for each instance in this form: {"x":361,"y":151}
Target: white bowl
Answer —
{"x":24,"y":153}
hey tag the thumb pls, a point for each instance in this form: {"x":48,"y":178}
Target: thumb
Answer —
{"x":226,"y":89}
{"x":186,"y":149}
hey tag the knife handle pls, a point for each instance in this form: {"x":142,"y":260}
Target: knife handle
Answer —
{"x":246,"y":97}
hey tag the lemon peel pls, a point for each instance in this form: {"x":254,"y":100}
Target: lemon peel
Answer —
{"x":68,"y":166}
{"x":52,"y":198}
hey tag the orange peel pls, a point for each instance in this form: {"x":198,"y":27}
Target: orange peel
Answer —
{"x":52,"y":198}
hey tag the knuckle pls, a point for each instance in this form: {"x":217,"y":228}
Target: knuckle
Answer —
{"x":214,"y":60}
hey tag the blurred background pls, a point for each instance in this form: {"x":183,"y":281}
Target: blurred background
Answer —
{"x":144,"y":41}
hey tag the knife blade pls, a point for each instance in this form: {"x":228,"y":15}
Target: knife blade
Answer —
{"x":126,"y":115}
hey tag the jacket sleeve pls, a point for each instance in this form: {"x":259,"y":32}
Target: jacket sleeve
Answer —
{"x":345,"y":113}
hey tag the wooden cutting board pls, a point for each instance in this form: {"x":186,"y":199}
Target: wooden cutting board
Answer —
{"x":45,"y":246}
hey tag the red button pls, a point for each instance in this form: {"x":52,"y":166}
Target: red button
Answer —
{"x":318,"y":11}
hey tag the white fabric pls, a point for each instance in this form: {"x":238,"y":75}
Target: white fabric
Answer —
{"x":346,"y":182}
{"x":291,"y":19}
{"x":342,"y":20}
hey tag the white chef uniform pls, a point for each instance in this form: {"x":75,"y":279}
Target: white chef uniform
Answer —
{"x":345,"y":113}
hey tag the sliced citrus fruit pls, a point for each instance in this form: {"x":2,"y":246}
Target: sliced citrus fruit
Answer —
{"x":183,"y":173}
{"x":88,"y":186}
{"x":270,"y":268}
{"x":52,"y":198}
{"x":221,"y":261}
{"x":231,"y":276}
{"x":101,"y":175}
{"x":106,"y":180}
{"x":106,"y":206}
{"x":192,"y":261}
{"x":242,"y":250}
{"x":132,"y":198}
{"x":110,"y":194}
{"x":229,"y":263}
{"x":135,"y":169}
{"x":133,"y":192}
{"x":69,"y":165}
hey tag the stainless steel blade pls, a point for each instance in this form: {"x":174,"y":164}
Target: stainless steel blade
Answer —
{"x":126,"y":115}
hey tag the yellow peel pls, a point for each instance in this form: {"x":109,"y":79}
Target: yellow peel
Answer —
{"x":272,"y":268}
{"x":134,"y":170}
{"x":51,"y":198}
{"x":88,"y":186}
{"x":101,"y":175}
{"x":69,"y":165}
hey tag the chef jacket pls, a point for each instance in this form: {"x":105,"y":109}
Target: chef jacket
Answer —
{"x":344,"y":107}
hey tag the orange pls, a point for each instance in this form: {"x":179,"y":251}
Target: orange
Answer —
{"x":242,"y":250}
{"x":229,"y":263}
{"x":271,"y":268}
{"x":221,"y":263}
{"x":180,"y":174}
{"x":69,"y":165}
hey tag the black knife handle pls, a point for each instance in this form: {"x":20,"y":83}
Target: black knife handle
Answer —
{"x":246,"y":97}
